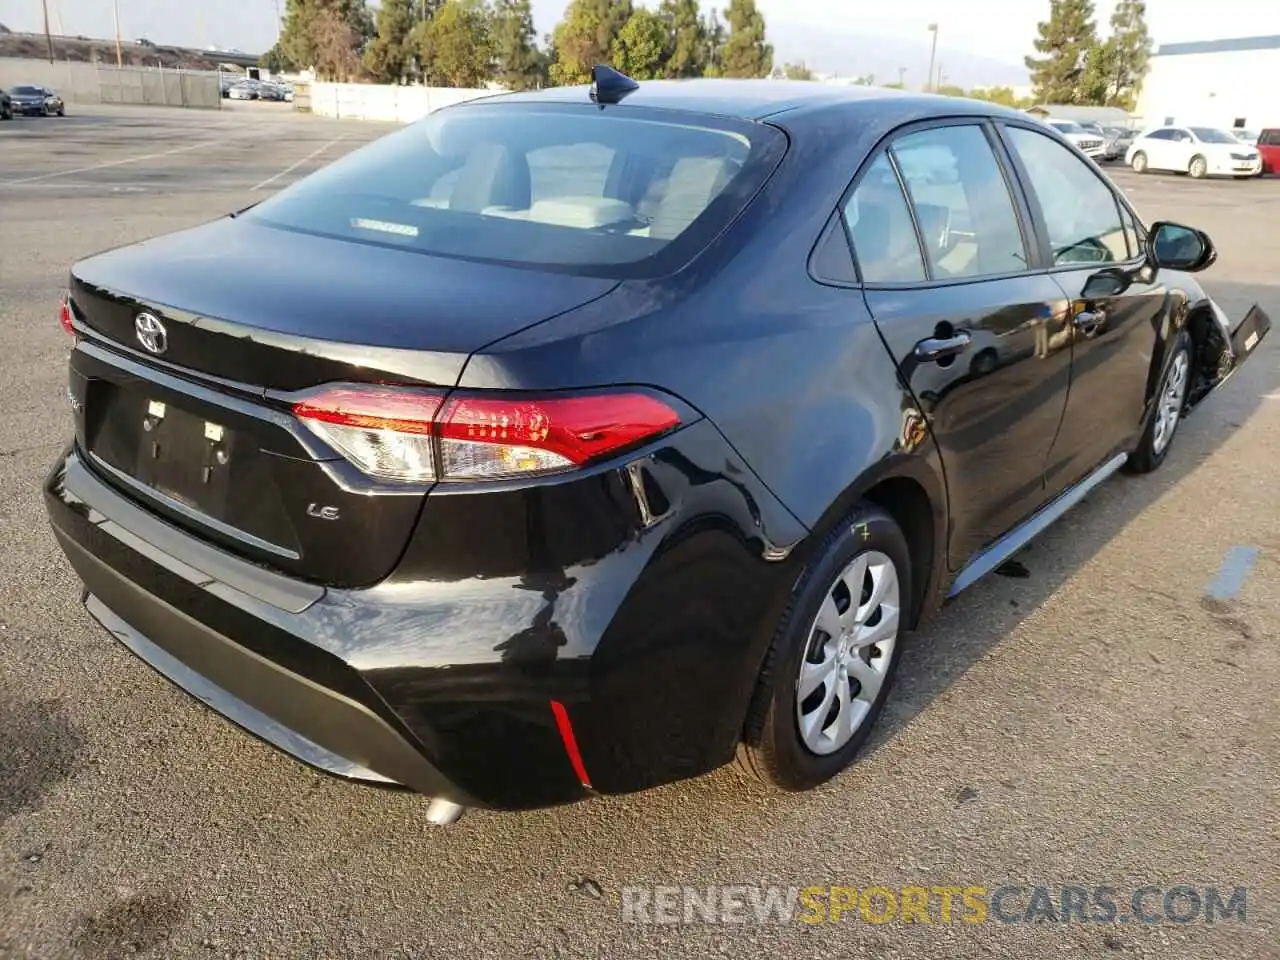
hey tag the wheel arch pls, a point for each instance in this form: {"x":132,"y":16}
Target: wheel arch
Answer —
{"x":1187,"y":304}
{"x":911,"y":488}
{"x":1208,"y":347}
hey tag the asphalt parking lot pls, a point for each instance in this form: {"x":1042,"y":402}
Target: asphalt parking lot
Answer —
{"x":1110,"y":718}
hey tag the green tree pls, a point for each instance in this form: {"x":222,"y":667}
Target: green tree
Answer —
{"x":950,"y":90}
{"x":326,"y":35}
{"x":389,"y":56}
{"x":797,"y":71}
{"x":275,"y":61}
{"x":1064,"y":42}
{"x":585,"y":37}
{"x":455,"y":45}
{"x":640,"y":48}
{"x":1001,"y":95}
{"x":714,"y":40}
{"x":1126,"y":57}
{"x":686,"y":38}
{"x":1092,"y":89}
{"x":746,"y":54}
{"x":517,"y":60}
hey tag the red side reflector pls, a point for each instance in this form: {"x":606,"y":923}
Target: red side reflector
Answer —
{"x":64,"y":315}
{"x":570,"y":743}
{"x":577,"y":428}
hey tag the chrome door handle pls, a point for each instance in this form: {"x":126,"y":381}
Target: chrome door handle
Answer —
{"x":934,"y":349}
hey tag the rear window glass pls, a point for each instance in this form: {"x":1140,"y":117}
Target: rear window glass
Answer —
{"x":618,"y":192}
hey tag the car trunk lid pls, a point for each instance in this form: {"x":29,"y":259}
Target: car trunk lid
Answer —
{"x":200,"y":429}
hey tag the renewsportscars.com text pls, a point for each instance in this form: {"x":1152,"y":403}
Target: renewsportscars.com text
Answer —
{"x":944,"y":903}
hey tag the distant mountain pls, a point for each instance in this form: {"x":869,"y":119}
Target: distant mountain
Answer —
{"x":848,"y":54}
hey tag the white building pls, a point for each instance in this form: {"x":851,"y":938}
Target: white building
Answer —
{"x":1219,"y":83}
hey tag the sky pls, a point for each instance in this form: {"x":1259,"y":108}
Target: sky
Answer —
{"x":999,"y":29}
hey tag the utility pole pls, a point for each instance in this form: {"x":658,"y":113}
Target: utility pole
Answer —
{"x":47,"y":35}
{"x":933,"y":56}
{"x":115,"y":9}
{"x":902,"y":77}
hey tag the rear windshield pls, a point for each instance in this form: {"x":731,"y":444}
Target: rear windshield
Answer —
{"x":616,"y":192}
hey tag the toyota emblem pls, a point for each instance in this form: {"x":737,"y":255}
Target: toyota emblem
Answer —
{"x":151,"y":333}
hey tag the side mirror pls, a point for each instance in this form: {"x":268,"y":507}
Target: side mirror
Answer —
{"x":1175,"y":247}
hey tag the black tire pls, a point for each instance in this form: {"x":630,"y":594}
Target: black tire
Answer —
{"x":1198,"y":168}
{"x":1139,"y":162}
{"x":772,"y":749}
{"x":1146,"y":457}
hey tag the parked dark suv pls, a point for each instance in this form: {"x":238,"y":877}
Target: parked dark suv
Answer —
{"x":588,"y":439}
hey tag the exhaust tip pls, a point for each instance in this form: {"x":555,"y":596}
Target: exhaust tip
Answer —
{"x":443,"y":812}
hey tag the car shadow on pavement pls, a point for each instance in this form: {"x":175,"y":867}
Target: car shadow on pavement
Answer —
{"x":968,"y":627}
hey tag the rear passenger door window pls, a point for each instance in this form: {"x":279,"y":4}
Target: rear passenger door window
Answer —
{"x":880,"y":226}
{"x":968,"y":223}
{"x":1081,"y":214}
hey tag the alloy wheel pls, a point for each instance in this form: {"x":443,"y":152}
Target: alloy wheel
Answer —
{"x":848,"y":653}
{"x":1169,"y":409}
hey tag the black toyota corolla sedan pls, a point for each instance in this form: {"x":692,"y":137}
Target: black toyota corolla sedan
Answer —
{"x":587,"y":439}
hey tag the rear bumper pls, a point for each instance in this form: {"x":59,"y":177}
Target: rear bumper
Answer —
{"x":295,"y":697}
{"x":608,"y":598}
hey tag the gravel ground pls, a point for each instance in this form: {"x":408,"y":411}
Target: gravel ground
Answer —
{"x":1100,"y":721}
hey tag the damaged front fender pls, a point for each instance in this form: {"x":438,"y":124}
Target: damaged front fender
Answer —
{"x":1221,"y":349}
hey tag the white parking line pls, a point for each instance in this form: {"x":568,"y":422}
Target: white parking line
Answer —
{"x":294,"y":166}
{"x":109,"y":163}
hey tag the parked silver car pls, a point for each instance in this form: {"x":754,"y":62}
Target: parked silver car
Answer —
{"x":1116,"y":142}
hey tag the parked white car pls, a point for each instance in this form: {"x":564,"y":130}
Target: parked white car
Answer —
{"x":1093,"y":145}
{"x":1199,"y":151}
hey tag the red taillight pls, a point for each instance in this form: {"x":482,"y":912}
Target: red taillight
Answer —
{"x":385,"y":431}
{"x":373,"y":408}
{"x":64,"y":315}
{"x":401,"y":433}
{"x":491,"y":436}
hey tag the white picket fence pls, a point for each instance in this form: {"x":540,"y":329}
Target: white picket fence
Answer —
{"x":367,"y":101}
